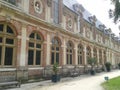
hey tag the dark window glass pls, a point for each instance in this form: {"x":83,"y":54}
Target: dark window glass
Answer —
{"x":0,"y":54}
{"x":30,"y":57}
{"x":52,"y":47}
{"x":57,"y":48}
{"x":67,"y":59}
{"x":52,"y":58}
{"x":1,"y":27}
{"x":0,"y":39}
{"x":8,"y":56}
{"x":31,"y":44}
{"x":38,"y":46}
{"x":57,"y":57}
{"x":38,"y":37}
{"x":12,"y":2}
{"x":9,"y":30}
{"x":70,"y":51}
{"x":80,"y":59}
{"x":32,"y":35}
{"x":38,"y":57}
{"x":70,"y":59}
{"x":9,"y":41}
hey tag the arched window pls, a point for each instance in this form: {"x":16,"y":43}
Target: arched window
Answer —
{"x":88,"y":53}
{"x":55,"y":51}
{"x":80,"y":54}
{"x":69,"y":53}
{"x":35,"y":49}
{"x":100,"y":57}
{"x":7,"y":45}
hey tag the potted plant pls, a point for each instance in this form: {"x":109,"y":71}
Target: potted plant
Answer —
{"x":92,"y":62}
{"x":119,"y":65}
{"x":108,"y":66}
{"x":55,"y":76}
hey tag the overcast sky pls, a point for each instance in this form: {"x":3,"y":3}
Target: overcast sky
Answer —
{"x":100,"y":8}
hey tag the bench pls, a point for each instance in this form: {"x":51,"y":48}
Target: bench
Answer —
{"x":8,"y":78}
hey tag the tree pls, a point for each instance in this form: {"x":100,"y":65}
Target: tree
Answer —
{"x":115,"y":14}
{"x":92,"y":62}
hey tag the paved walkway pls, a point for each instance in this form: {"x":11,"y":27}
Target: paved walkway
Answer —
{"x":84,"y":82}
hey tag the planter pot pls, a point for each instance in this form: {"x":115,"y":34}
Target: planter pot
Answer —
{"x":108,"y":69}
{"x":55,"y":78}
{"x":92,"y":72}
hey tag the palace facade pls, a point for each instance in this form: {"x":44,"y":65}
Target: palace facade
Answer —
{"x":35,"y":34}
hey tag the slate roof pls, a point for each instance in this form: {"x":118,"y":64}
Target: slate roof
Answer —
{"x":86,"y":14}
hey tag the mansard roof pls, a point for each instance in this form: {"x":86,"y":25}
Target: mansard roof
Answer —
{"x":86,"y":14}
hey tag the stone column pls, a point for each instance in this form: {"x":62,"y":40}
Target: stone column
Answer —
{"x":98,"y":56}
{"x":48,"y":49}
{"x":84,"y":51}
{"x":92,"y":52}
{"x":22,"y":69}
{"x":75,"y":55}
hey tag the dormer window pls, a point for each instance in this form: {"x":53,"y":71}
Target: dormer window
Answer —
{"x":102,"y":26}
{"x":11,"y":1}
{"x":78,"y":8}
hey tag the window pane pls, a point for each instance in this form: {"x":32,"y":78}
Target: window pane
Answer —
{"x":9,"y":41}
{"x":38,"y":57}
{"x":52,"y":58}
{"x":80,"y":59}
{"x":57,"y":48}
{"x":12,"y":2}
{"x":67,"y":59}
{"x":30,"y":57}
{"x":32,"y":35}
{"x":0,"y":39}
{"x":1,"y":27}
{"x":8,"y":55}
{"x":31,"y":44}
{"x":0,"y":54}
{"x":38,"y":46}
{"x":9,"y":30}
{"x":53,"y":48}
{"x":70,"y":59}
{"x":57,"y":58}
{"x":38,"y":37}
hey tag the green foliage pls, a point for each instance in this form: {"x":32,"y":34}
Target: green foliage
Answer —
{"x":112,"y":84}
{"x":92,"y":61}
{"x":116,"y":14}
{"x":107,"y":64}
{"x":55,"y":68}
{"x":119,"y":64}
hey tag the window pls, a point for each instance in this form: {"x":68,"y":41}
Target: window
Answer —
{"x":11,"y":1}
{"x":55,"y":51}
{"x":7,"y":45}
{"x":56,"y":11}
{"x":35,"y":49}
{"x":69,"y":53}
{"x":88,"y":52}
{"x":80,"y":54}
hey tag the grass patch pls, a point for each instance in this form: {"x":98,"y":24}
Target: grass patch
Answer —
{"x":112,"y":84}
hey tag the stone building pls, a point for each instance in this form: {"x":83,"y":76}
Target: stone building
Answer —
{"x":38,"y":33}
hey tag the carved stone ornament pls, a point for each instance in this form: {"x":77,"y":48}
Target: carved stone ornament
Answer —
{"x":49,"y":3}
{"x":69,"y":23}
{"x":38,"y":6}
